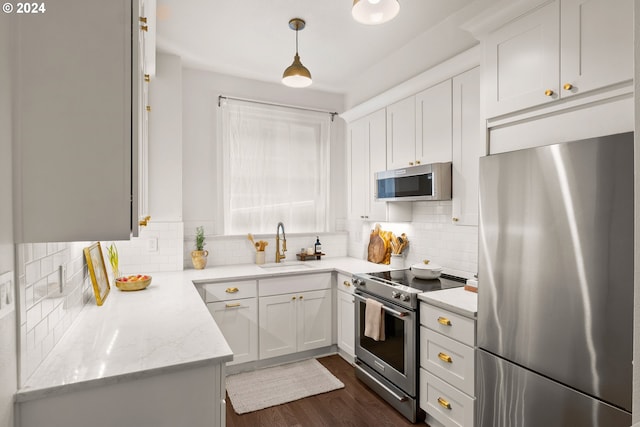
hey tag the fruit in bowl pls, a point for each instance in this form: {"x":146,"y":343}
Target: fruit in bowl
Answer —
{"x":134,"y":282}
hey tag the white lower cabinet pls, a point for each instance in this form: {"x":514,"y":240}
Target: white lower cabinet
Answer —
{"x":447,"y":367}
{"x":294,"y":314}
{"x":345,"y":309}
{"x":234,"y":307}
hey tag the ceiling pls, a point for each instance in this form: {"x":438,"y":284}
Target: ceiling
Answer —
{"x":252,"y":39}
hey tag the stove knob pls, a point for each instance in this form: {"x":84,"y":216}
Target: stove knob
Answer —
{"x":395,"y":294}
{"x":405,"y":297}
{"x":358,"y":282}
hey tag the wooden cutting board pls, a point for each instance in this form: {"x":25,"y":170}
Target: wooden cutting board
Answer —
{"x":376,"y":251}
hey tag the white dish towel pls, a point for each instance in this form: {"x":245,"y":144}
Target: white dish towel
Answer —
{"x":374,"y":320}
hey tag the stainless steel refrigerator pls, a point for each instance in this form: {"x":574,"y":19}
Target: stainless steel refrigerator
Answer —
{"x":555,"y":299}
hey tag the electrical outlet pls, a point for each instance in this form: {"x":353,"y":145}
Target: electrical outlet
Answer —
{"x":152,"y":244}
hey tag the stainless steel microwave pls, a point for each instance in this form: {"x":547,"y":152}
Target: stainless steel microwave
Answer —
{"x":423,"y":182}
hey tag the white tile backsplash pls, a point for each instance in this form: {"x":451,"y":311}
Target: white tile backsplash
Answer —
{"x":431,"y":235}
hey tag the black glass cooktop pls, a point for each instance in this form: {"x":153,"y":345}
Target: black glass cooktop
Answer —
{"x":407,"y":278}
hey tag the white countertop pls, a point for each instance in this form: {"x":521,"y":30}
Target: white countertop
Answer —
{"x":163,"y":328}
{"x":457,"y":300}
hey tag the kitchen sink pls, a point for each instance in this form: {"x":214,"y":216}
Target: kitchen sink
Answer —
{"x":286,"y":266}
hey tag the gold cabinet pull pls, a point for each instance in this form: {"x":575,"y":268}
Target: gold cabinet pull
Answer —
{"x":143,"y":19}
{"x":147,"y":78}
{"x":454,"y":219}
{"x":231,"y":290}
{"x":548,"y":92}
{"x":144,"y":221}
{"x":417,"y":162}
{"x":148,"y":107}
{"x":301,"y":297}
{"x":144,"y":27}
{"x":410,"y":163}
{"x":444,"y":403}
{"x":444,"y":321}
{"x":445,"y":357}
{"x":237,"y":304}
{"x":293,"y":297}
{"x":567,"y":86}
{"x":346,"y":283}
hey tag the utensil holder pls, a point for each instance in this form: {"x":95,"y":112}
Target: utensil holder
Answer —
{"x":397,"y":261}
{"x":260,"y":257}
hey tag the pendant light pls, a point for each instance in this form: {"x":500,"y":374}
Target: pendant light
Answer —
{"x":373,"y":12}
{"x":296,"y":74}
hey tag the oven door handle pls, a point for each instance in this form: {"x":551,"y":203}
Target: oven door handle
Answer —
{"x":387,"y":389}
{"x":400,"y":314}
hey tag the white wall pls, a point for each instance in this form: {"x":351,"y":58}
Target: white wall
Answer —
{"x":8,"y":347}
{"x":201,"y":178}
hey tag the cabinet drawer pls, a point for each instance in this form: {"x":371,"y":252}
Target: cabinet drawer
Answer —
{"x":444,"y":403}
{"x":450,"y":360}
{"x":229,"y":290}
{"x":294,"y":284}
{"x":452,"y":325}
{"x":344,"y":283}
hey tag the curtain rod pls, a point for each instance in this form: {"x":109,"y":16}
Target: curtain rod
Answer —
{"x":221,"y":97}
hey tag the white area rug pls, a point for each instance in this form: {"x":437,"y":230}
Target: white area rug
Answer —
{"x":251,"y":391}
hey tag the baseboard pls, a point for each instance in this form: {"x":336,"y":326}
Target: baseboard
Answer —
{"x":281,"y":360}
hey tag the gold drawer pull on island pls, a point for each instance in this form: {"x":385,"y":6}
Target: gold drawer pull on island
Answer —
{"x":231,"y":290}
{"x":234,"y":305}
{"x":444,"y":321}
{"x":445,"y":357}
{"x":445,"y":404}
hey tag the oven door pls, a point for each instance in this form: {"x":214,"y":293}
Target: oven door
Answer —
{"x":395,"y":357}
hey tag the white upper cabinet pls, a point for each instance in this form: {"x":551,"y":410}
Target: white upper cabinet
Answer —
{"x":559,"y":49}
{"x":366,"y":155}
{"x":401,"y":133}
{"x":73,"y":121}
{"x":468,"y":147}
{"x":433,"y":124}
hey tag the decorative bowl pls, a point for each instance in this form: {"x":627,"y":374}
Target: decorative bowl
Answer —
{"x":133,"y":282}
{"x":425,"y":270}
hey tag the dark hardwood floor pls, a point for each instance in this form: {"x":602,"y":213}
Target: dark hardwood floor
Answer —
{"x":354,"y":405}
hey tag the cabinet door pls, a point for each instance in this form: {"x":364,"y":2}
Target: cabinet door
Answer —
{"x":346,"y":322}
{"x":522,"y":61}
{"x":238,"y":321}
{"x":468,"y":146}
{"x":278,"y":330}
{"x":597,"y":44}
{"x":357,"y":167}
{"x":401,"y":133}
{"x":377,"y":156}
{"x":433,"y":124}
{"x":73,"y":122}
{"x":314,"y":319}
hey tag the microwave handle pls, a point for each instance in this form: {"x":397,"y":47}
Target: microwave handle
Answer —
{"x":391,"y":311}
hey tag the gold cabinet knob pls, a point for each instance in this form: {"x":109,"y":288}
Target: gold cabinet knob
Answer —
{"x":346,"y":283}
{"x":444,"y":403}
{"x":148,"y":108}
{"x":445,"y":357}
{"x":410,"y":163}
{"x":143,"y":19}
{"x":293,"y":298}
{"x":144,"y":221}
{"x":144,"y":27}
{"x":567,"y":86}
{"x":444,"y":321}
{"x":231,"y":290}
{"x":301,"y":297}
{"x":454,"y":219}
{"x":417,"y":162}
{"x":147,"y":78}
{"x":548,"y":92}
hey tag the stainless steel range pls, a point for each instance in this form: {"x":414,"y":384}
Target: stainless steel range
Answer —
{"x":390,"y":366}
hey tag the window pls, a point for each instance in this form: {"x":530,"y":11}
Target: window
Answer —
{"x":275,"y":168}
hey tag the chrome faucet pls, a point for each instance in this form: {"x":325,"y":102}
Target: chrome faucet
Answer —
{"x":280,"y":256}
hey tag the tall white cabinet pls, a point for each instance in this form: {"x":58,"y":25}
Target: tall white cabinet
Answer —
{"x":74,"y":134}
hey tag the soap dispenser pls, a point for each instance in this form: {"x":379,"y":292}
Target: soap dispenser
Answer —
{"x":318,"y":246}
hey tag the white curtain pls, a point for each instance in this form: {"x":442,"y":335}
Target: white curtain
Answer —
{"x":275,"y":168}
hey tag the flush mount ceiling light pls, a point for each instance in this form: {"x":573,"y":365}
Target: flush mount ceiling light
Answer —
{"x":373,"y":12}
{"x":296,"y":74}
